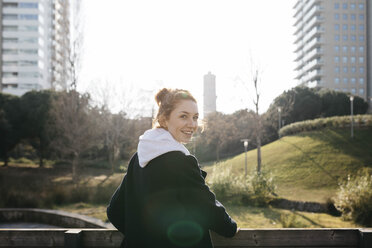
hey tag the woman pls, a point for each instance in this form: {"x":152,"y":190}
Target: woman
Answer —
{"x":163,"y":200}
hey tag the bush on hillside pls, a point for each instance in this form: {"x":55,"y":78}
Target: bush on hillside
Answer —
{"x":317,"y":124}
{"x":255,"y":190}
{"x":354,"y":199}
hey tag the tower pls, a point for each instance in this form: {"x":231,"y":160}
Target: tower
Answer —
{"x":209,"y":94}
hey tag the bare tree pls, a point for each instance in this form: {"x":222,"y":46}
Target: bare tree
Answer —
{"x":76,"y":125}
{"x":257,"y":119}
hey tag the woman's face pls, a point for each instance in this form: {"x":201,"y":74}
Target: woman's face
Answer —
{"x":183,"y":121}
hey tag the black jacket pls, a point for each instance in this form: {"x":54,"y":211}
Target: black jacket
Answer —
{"x":167,"y":204}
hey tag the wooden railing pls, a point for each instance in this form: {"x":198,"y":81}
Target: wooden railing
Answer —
{"x":342,"y":238}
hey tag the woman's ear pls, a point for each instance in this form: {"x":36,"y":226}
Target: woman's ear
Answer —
{"x":163,"y":123}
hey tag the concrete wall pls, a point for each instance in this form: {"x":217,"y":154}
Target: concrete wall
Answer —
{"x":50,"y":217}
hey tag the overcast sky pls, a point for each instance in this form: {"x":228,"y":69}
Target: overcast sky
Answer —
{"x":144,"y":45}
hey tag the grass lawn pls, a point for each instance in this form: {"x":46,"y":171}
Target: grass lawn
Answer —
{"x":309,"y":166}
{"x":246,"y":216}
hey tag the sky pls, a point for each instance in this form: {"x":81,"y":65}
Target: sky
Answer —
{"x":133,"y":48}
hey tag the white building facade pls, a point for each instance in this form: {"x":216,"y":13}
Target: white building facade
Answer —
{"x":31,"y":55}
{"x":333,"y":45}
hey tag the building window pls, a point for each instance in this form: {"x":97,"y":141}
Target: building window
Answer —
{"x":28,"y":5}
{"x":336,"y":6}
{"x":28,"y":17}
{"x":353,"y":49}
{"x":361,"y":91}
{"x":337,"y":69}
{"x":344,"y":37}
{"x":344,"y":90}
{"x":352,"y":80}
{"x":10,"y":51}
{"x":337,"y":37}
{"x":337,"y":16}
{"x":361,"y":60}
{"x":337,"y":27}
{"x":344,"y":27}
{"x":353,"y":91}
{"x":344,"y":49}
{"x":27,"y":62}
{"x":344,"y":59}
{"x":361,"y":49}
{"x":352,"y":37}
{"x":10,"y":17}
{"x":361,"y":17}
{"x":361,"y":81}
{"x":361,"y":37}
{"x":353,"y":69}
{"x":352,"y":6}
{"x":361,"y":27}
{"x":345,"y":80}
{"x":344,"y":17}
{"x":344,"y":6}
{"x":344,"y":69}
{"x":361,"y":70}
{"x":336,"y":49}
{"x":361,"y":6}
{"x":352,"y":60}
{"x":337,"y":59}
{"x":353,"y":17}
{"x":353,"y":27}
{"x":10,"y":40}
{"x":337,"y":80}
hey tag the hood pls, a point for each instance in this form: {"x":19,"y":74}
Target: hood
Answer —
{"x":155,"y":142}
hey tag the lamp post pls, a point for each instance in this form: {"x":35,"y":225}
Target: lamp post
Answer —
{"x":352,"y":116}
{"x":280,"y":118}
{"x":245,"y":143}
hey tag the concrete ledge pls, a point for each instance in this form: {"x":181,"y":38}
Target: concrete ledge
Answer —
{"x":50,"y":217}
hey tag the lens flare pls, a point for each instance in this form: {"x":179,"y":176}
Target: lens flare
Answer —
{"x":185,"y":233}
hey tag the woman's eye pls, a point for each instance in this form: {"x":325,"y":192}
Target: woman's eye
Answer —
{"x":183,"y":116}
{"x":196,"y":118}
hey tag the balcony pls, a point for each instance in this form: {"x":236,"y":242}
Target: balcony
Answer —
{"x":317,"y":41}
{"x":315,"y":31}
{"x":314,"y":21}
{"x":314,"y":10}
{"x":313,"y":53}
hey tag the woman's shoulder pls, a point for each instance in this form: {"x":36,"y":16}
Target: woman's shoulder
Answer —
{"x":176,"y":160}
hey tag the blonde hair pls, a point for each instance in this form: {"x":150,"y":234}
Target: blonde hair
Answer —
{"x":167,"y":99}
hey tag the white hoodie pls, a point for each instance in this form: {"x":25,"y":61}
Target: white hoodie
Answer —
{"x":155,"y":142}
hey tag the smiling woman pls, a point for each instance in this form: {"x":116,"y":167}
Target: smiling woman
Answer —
{"x":163,"y":200}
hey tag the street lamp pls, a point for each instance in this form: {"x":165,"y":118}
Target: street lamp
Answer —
{"x":245,"y":143}
{"x":280,"y":117}
{"x":352,"y":115}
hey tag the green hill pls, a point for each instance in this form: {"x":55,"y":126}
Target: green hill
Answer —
{"x":308,"y":166}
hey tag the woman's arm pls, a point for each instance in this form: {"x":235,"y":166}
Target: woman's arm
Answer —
{"x":116,"y":208}
{"x":196,"y":196}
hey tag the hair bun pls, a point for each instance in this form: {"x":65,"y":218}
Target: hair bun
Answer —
{"x":161,"y":95}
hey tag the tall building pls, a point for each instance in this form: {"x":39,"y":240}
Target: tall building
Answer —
{"x":35,"y":45}
{"x":210,"y":97}
{"x":334,"y":44}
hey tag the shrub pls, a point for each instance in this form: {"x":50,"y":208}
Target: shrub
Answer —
{"x":354,"y":199}
{"x":254,"y":190}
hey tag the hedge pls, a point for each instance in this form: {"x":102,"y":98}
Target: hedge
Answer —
{"x":320,"y":123}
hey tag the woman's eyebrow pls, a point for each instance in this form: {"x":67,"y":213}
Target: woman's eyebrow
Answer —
{"x":185,"y":112}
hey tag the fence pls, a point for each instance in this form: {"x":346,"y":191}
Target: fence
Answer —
{"x":246,"y":238}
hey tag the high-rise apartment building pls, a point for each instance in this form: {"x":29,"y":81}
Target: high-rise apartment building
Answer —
{"x":35,"y":45}
{"x":210,"y":97}
{"x":333,"y":45}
